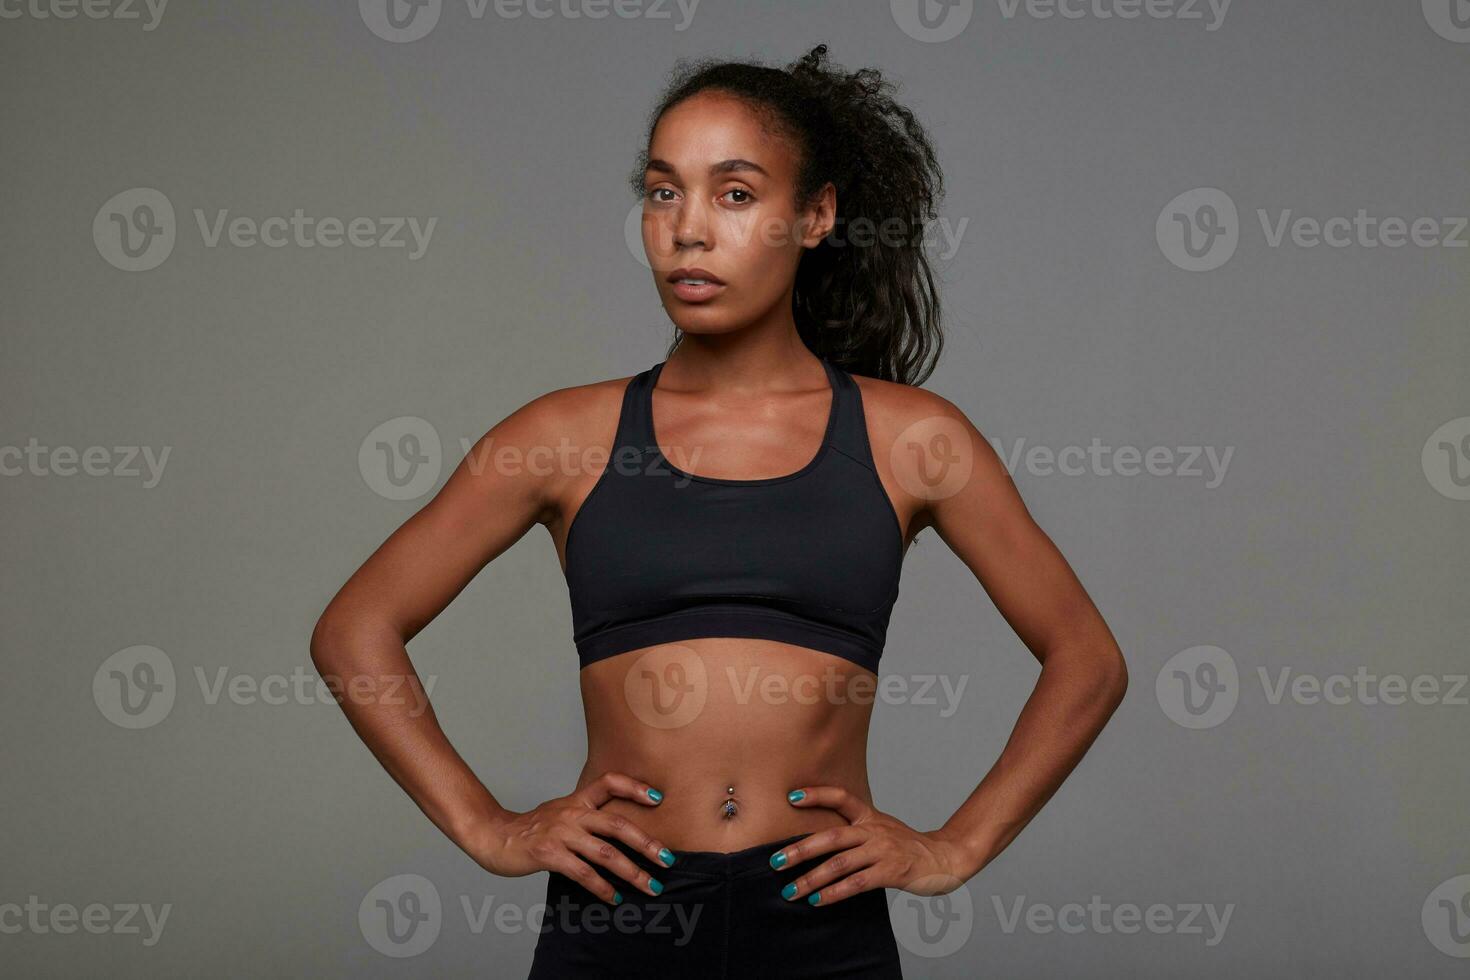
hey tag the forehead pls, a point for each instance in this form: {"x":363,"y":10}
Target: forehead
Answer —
{"x":713,"y":126}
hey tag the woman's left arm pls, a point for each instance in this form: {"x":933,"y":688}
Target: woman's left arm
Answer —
{"x":955,"y":483}
{"x":1083,"y":677}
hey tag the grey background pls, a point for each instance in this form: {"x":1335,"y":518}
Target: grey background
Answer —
{"x":1325,"y":549}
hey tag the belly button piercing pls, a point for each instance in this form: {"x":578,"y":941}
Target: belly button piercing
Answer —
{"x":729,"y":808}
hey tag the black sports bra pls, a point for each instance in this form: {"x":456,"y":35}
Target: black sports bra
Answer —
{"x":657,"y":555}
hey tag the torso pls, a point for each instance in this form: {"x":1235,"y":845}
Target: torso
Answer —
{"x":765,"y":726}
{"x":700,"y":716}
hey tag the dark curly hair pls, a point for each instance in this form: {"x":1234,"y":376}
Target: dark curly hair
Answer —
{"x":868,"y":304}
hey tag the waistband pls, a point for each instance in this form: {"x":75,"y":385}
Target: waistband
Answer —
{"x":714,"y":864}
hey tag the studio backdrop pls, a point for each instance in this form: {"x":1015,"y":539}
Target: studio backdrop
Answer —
{"x":271,"y":267}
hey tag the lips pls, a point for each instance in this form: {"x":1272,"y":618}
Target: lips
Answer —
{"x":695,"y":285}
{"x":695,"y":273}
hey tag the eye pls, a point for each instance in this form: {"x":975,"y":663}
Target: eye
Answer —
{"x":740,"y":190}
{"x":653,"y":192}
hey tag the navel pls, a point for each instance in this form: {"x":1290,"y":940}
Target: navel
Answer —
{"x":730,"y":807}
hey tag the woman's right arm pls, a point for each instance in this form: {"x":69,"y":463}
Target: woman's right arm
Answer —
{"x":360,"y":647}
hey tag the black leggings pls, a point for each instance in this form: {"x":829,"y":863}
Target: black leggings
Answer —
{"x":720,"y":915}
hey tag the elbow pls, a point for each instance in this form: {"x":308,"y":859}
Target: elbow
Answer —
{"x":344,"y":639}
{"x":329,"y":638}
{"x":1113,"y":677}
{"x":1099,"y":670}
{"x":1096,"y":671}
{"x":320,"y":642}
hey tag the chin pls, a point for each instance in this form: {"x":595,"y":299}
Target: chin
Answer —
{"x":701,"y":326}
{"x":702,"y":318}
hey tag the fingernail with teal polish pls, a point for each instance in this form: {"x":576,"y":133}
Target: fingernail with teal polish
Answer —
{"x":655,"y":795}
{"x":814,"y":898}
{"x":788,"y":891}
{"x":796,"y":796}
{"x":617,"y":898}
{"x":655,"y":886}
{"x":778,"y":860}
{"x":667,"y":857}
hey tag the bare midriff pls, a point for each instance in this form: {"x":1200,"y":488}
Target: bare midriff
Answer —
{"x":725,"y":728}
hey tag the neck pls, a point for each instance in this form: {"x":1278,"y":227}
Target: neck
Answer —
{"x":748,"y":360}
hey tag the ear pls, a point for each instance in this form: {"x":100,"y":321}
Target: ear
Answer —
{"x":818,"y":220}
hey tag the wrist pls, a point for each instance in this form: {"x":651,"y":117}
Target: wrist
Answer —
{"x":483,"y":835}
{"x":967,"y":856}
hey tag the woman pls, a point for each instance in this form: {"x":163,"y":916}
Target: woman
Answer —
{"x":732,"y":559}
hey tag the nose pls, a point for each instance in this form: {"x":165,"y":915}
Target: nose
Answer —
{"x":691,"y":225}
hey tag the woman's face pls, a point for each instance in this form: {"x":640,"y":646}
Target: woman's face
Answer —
{"x":719,"y":206}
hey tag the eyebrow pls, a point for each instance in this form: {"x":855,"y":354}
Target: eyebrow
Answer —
{"x":732,"y":166}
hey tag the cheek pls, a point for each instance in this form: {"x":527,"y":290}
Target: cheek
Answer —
{"x":773,"y":234}
{"x":766,"y":247}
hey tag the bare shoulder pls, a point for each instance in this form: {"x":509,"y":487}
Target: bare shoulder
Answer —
{"x":549,"y":448}
{"x":892,"y":408}
{"x":929,"y":455}
{"x":573,"y":418}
